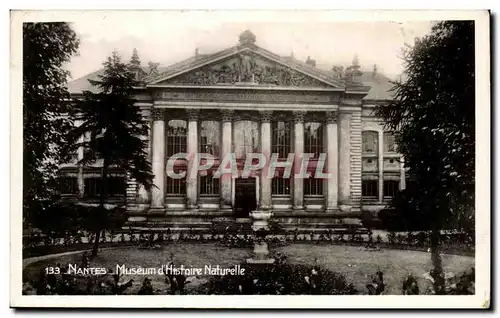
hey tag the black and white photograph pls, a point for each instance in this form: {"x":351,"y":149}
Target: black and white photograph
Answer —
{"x":174,"y":156}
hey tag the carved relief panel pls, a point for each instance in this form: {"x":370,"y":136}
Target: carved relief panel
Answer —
{"x":246,"y":67}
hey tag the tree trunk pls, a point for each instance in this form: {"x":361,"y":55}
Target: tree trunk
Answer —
{"x":102,"y":209}
{"x":437,"y":272}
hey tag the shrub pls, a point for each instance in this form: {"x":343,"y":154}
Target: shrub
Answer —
{"x":280,"y":279}
{"x":410,"y":286}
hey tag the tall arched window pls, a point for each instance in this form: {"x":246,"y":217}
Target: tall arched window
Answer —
{"x":370,"y":142}
{"x":246,"y":138}
{"x":313,"y":138}
{"x":210,"y":139}
{"x":176,"y":143}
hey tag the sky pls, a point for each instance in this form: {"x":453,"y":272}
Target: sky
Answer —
{"x":171,"y":36}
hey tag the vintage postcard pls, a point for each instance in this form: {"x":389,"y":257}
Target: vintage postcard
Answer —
{"x":176,"y":156}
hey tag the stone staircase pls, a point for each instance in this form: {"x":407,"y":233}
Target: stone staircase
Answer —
{"x":282,"y":222}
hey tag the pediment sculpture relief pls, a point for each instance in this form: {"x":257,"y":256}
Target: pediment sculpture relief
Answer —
{"x":246,"y":68}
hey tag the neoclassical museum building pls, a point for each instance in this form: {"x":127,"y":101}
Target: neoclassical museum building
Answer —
{"x":246,"y":99}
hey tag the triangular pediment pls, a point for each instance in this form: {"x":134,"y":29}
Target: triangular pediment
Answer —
{"x":250,"y":65}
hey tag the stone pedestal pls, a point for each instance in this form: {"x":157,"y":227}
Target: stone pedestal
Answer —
{"x":261,"y":227}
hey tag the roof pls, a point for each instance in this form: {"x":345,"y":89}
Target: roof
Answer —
{"x":379,"y":83}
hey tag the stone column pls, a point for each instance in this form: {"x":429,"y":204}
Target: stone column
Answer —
{"x":143,"y":193}
{"x":226,"y":179}
{"x":79,"y":155}
{"x":332,"y":161}
{"x":402,"y":176}
{"x":265,"y":180}
{"x":158,"y":145}
{"x":192,"y":149}
{"x":344,"y":159}
{"x":380,"y":160}
{"x":298,"y":183}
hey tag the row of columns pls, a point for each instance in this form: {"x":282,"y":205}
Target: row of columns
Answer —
{"x":338,"y":159}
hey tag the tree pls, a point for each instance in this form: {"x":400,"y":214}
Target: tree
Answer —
{"x":116,"y":132}
{"x":432,"y":116}
{"x":135,"y":62}
{"x":46,"y":48}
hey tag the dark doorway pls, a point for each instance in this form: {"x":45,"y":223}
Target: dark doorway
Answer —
{"x":245,"y":199}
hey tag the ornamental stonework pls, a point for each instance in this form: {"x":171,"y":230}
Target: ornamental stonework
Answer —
{"x":298,"y":116}
{"x":331,"y":117}
{"x":249,"y":96}
{"x":227,"y":115}
{"x":193,"y":114}
{"x":266,"y":116}
{"x":247,"y":67}
{"x":158,"y":114}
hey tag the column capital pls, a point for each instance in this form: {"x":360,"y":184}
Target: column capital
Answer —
{"x":298,"y":116}
{"x":146,"y":114}
{"x":193,"y":114}
{"x":266,"y":116}
{"x":158,"y":114}
{"x":227,"y":115}
{"x":331,"y":117}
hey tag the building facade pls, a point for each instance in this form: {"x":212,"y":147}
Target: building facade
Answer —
{"x":245,"y":100}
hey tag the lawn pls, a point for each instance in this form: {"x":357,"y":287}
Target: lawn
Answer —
{"x":355,"y":263}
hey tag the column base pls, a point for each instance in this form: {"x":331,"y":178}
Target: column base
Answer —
{"x":156,"y":210}
{"x":345,"y":208}
{"x":332,"y":210}
{"x":298,"y":208}
{"x":260,"y":261}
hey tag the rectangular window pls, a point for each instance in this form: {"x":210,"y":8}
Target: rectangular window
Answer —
{"x":313,"y":186}
{"x":117,"y":186}
{"x":68,"y":185}
{"x":74,"y":156}
{"x":391,"y":187}
{"x":281,"y":138}
{"x":176,"y":137}
{"x":370,"y":142}
{"x":209,"y":185}
{"x":280,"y":186}
{"x":92,"y":187}
{"x":389,"y":142}
{"x":176,"y":186}
{"x":245,"y":138}
{"x":313,"y":138}
{"x":210,"y":137}
{"x":91,"y":153}
{"x":369,"y":189}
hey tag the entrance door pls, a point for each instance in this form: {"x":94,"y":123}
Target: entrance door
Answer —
{"x":245,"y":197}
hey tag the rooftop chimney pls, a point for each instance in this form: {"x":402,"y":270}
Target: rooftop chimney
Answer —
{"x":310,"y":61}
